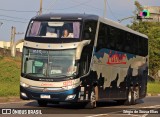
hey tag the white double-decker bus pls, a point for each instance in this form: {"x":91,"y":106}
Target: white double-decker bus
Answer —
{"x":82,"y":58}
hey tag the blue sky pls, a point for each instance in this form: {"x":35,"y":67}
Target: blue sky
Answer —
{"x":9,"y":10}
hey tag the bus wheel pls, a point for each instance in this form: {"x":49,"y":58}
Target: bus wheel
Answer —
{"x":129,"y":97}
{"x":133,"y":98}
{"x":137,"y":92}
{"x":55,"y":102}
{"x":120,"y":102}
{"x":135,"y":95}
{"x":42,"y":103}
{"x":92,"y":101}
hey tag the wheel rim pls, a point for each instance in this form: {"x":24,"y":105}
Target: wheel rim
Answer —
{"x":136,"y":93}
{"x":93,"y":99}
{"x":129,"y":97}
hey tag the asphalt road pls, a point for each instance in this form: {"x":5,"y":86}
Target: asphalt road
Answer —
{"x":148,"y":107}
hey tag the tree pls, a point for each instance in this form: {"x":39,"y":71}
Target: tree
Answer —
{"x":138,"y":9}
{"x":138,"y":6}
{"x":152,"y":30}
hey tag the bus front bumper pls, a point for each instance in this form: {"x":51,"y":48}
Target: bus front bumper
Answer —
{"x":71,"y":95}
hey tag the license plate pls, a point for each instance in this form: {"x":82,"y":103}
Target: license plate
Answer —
{"x":45,"y":96}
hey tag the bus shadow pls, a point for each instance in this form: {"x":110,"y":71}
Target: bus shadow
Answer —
{"x":63,"y":105}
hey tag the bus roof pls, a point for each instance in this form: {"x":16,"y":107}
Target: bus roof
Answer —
{"x":78,"y":16}
{"x":71,"y":16}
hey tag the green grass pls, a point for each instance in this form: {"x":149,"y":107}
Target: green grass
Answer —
{"x":153,"y":88}
{"x":9,"y":76}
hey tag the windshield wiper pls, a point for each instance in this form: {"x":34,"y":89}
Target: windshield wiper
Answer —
{"x":62,"y":76}
{"x":33,"y":74}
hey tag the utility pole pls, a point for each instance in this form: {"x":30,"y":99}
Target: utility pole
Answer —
{"x":12,"y":41}
{"x":13,"y":33}
{"x":105,"y":9}
{"x":40,"y":9}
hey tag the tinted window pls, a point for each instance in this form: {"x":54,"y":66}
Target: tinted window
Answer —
{"x":89,"y":29}
{"x":120,"y":40}
{"x":143,"y":46}
{"x":102,"y":37}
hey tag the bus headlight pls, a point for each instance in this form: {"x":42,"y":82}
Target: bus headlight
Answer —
{"x":71,"y":97}
{"x":71,"y":86}
{"x":24,"y":95}
{"x":24,"y":84}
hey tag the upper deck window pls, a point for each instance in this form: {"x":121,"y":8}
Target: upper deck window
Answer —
{"x":54,"y":29}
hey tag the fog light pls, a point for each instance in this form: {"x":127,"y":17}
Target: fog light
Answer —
{"x":24,"y":95}
{"x":71,"y":97}
{"x":24,"y":84}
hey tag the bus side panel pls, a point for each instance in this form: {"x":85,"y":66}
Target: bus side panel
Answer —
{"x":143,"y":81}
{"x":117,"y":71}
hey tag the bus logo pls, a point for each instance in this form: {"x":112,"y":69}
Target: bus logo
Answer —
{"x":116,"y":58}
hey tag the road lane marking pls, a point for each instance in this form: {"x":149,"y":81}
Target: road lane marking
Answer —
{"x":144,"y":115}
{"x":155,"y":106}
{"x":97,"y":115}
{"x":15,"y":102}
{"x":113,"y":113}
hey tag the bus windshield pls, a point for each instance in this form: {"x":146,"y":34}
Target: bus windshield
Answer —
{"x":54,"y":29}
{"x":49,"y":63}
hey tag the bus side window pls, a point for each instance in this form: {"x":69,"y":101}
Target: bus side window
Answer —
{"x":120,"y":40}
{"x":127,"y":45}
{"x":102,"y":37}
{"x":84,"y":61}
{"x":89,"y":31}
{"x":143,"y":46}
{"x":134,"y":44}
{"x":112,"y":38}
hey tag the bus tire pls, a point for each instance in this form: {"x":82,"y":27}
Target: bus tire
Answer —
{"x":137,"y":92}
{"x":120,"y":102}
{"x":92,"y":101}
{"x":55,"y":102}
{"x":129,"y":97}
{"x":133,"y":98}
{"x":42,"y":103}
{"x":135,"y":95}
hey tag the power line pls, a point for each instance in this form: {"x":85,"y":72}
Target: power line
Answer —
{"x":89,"y":6}
{"x":80,"y":4}
{"x":13,"y":21}
{"x":12,"y":10}
{"x":72,"y":6}
{"x":54,"y":2}
{"x":111,"y":10}
{"x":14,"y":17}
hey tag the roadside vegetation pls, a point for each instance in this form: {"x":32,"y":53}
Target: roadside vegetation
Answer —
{"x":153,"y":88}
{"x":152,"y":30}
{"x":9,"y":76}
